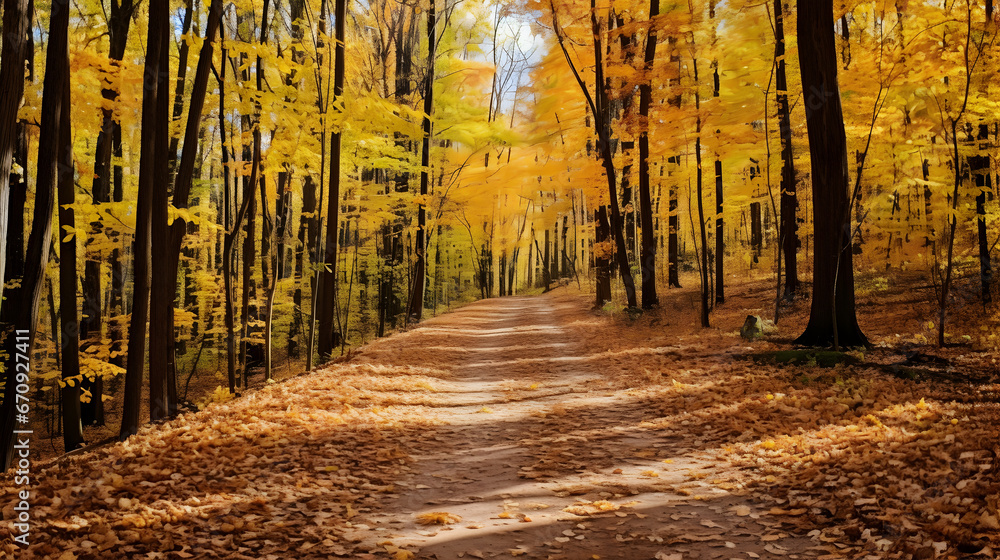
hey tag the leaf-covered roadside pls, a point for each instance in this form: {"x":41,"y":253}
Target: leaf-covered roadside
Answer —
{"x":892,"y":465}
{"x":278,"y":474}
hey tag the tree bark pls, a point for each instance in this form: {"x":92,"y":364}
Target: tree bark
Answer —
{"x":151,"y":120}
{"x":70,"y":335}
{"x":599,"y":107}
{"x":417,"y":294}
{"x":832,"y":318}
{"x":168,"y":236}
{"x":162,"y":285}
{"x":329,"y":337}
{"x":720,"y":241}
{"x":985,"y":266}
{"x":16,"y":26}
{"x":647,"y":256}
{"x":602,"y":264}
{"x":673,"y":224}
{"x":789,"y":204}
{"x":92,"y":413}
{"x":21,"y":309}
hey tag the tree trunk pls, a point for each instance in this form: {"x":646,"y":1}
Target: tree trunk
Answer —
{"x":417,"y":294}
{"x":602,"y":120}
{"x":167,"y":243}
{"x":178,"y":105}
{"x":673,"y":224}
{"x":70,"y":336}
{"x":647,"y":255}
{"x":92,"y":413}
{"x":701,"y":221}
{"x":229,"y":237}
{"x":249,"y":250}
{"x":307,"y":237}
{"x":117,"y":297}
{"x":985,"y":266}
{"x":832,"y":318}
{"x":16,"y":26}
{"x":329,"y":337}
{"x":599,"y":107}
{"x":720,"y":241}
{"x":163,"y":284}
{"x":21,"y":307}
{"x":789,"y":221}
{"x":756,"y":231}
{"x":602,"y":262}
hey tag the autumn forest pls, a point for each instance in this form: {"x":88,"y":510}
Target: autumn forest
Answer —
{"x":744,"y":214}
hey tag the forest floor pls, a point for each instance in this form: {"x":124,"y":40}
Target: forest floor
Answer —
{"x":535,"y":427}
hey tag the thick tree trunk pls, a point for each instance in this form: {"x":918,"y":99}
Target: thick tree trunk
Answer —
{"x":163,"y":284}
{"x":329,"y":337}
{"x":16,"y":26}
{"x":417,"y":295}
{"x":832,"y":318}
{"x":789,"y":204}
{"x":21,"y":307}
{"x":647,"y":256}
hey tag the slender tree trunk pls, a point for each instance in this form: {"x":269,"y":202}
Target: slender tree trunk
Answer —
{"x":70,"y":336}
{"x":985,"y":266}
{"x":167,"y":236}
{"x":329,"y":338}
{"x":673,"y":224}
{"x":701,"y":220}
{"x":789,"y":203}
{"x":151,"y":121}
{"x":307,"y":237}
{"x":417,"y":295}
{"x":599,"y":107}
{"x":602,"y":120}
{"x":117,"y":296}
{"x":832,"y":318}
{"x":720,"y":238}
{"x":92,"y":413}
{"x":229,"y":237}
{"x":178,"y":104}
{"x":249,"y":251}
{"x":648,"y":253}
{"x":602,"y":261}
{"x":21,"y":307}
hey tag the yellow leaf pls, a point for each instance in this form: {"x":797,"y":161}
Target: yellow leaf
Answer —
{"x":438,"y":518}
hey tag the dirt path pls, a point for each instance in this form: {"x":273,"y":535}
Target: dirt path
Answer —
{"x":536,"y":428}
{"x":541,"y":457}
